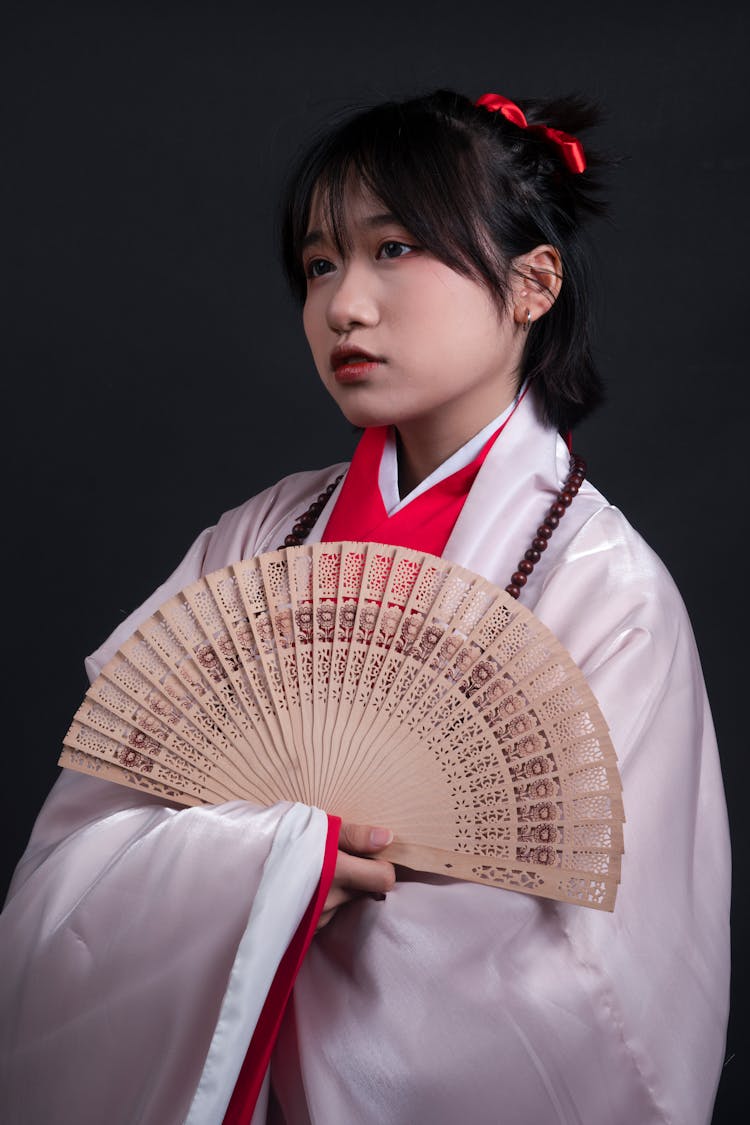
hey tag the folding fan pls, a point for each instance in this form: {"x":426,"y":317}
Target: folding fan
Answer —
{"x":385,"y":686}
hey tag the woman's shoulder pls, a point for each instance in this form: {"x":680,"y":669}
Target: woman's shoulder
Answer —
{"x":605,"y":581}
{"x":262,"y":522}
{"x":604,"y":541}
{"x":258,"y":525}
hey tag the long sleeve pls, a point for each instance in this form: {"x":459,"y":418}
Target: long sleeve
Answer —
{"x":128,"y":920}
{"x":118,"y":944}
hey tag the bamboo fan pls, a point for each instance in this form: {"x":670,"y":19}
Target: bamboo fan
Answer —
{"x":380,"y":684}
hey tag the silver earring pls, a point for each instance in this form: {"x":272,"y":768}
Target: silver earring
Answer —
{"x":527,"y":325}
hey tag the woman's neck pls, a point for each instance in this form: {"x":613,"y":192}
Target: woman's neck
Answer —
{"x":423,"y":446}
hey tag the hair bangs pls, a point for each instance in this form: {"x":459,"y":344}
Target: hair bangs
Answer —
{"x":416,"y":166}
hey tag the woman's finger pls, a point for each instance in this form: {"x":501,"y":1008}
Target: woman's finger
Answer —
{"x":361,"y":839}
{"x":325,"y":918}
{"x":363,"y":876}
{"x":355,"y":873}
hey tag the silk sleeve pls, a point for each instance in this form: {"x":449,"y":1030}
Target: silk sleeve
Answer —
{"x":126,"y":916}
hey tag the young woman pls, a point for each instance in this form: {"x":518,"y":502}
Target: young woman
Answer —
{"x":436,"y":246}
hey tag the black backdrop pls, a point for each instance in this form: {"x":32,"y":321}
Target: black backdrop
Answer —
{"x":156,"y":370}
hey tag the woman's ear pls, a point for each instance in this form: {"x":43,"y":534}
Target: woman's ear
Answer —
{"x":537,"y":279}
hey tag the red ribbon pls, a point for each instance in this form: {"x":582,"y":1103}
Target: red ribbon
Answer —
{"x":570,"y":148}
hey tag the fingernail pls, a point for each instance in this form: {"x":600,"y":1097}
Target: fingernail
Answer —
{"x":379,"y":837}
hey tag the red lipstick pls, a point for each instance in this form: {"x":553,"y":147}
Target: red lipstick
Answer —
{"x":350,"y":363}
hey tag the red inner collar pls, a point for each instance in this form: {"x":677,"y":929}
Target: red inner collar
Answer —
{"x":424,"y":524}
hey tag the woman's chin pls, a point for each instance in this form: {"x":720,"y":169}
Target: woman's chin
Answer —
{"x":364,"y":418}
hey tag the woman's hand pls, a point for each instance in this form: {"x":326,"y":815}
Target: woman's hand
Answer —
{"x":355,"y":874}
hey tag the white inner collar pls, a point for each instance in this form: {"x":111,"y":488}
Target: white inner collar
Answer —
{"x":388,"y":473}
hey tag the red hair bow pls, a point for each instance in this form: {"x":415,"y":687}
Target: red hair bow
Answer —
{"x":570,"y":148}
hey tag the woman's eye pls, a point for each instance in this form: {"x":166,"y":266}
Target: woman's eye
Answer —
{"x":394,"y":249}
{"x":317,"y":267}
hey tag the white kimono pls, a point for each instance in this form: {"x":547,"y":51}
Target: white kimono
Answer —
{"x":138,"y":940}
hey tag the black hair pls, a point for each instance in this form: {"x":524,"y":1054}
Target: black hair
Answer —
{"x":476,"y":191}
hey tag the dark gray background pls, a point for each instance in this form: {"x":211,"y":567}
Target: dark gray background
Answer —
{"x":157,"y":373}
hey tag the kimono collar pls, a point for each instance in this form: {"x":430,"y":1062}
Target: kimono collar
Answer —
{"x":425,"y":522}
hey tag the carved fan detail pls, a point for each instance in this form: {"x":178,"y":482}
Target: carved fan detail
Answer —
{"x":380,"y":684}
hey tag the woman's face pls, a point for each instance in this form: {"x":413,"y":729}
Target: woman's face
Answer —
{"x":434,"y":346}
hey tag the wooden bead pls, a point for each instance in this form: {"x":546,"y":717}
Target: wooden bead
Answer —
{"x":565,"y":497}
{"x":307,"y":520}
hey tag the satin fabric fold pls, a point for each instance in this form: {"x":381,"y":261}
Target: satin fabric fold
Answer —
{"x":122,"y":940}
{"x":250,"y":1078}
{"x":261,"y":978}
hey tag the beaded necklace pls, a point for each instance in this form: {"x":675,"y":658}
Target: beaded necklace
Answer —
{"x":572,"y":483}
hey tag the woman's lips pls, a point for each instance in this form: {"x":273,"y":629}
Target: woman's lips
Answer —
{"x":354,"y":370}
{"x":351,"y":364}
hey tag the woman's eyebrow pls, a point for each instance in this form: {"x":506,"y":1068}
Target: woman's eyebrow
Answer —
{"x":381,"y":219}
{"x":370,"y":222}
{"x":312,"y":238}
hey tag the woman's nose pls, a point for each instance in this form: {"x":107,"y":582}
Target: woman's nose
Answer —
{"x":353,"y":299}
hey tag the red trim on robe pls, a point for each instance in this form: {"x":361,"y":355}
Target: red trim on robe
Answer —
{"x":250,"y":1079}
{"x":424,"y":524}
